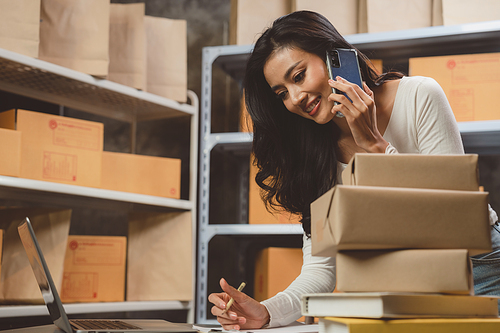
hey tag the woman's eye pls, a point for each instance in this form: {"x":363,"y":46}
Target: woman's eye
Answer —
{"x":299,"y":77}
{"x":281,"y":95}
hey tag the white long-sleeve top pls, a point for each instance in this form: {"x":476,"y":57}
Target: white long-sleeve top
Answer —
{"x":421,"y":122}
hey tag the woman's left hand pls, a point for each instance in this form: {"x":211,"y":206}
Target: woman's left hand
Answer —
{"x":361,"y":114}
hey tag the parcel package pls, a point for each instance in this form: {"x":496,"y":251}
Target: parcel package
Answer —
{"x":369,"y":217}
{"x":57,"y":149}
{"x":444,"y":172}
{"x":426,"y":271}
{"x":94,"y":269}
{"x":51,"y":226}
{"x":470,"y":82}
{"x":10,"y":150}
{"x":150,"y":175}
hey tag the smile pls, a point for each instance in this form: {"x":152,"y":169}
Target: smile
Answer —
{"x":313,"y":105}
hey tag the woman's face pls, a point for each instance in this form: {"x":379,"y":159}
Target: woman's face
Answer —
{"x":300,"y":80}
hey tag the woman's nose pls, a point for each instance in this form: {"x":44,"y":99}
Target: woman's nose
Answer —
{"x":297,"y":97}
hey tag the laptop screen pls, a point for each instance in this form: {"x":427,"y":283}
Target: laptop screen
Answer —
{"x":42,"y":275}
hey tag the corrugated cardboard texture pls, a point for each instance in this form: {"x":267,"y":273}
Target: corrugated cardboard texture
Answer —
{"x":160,"y":257}
{"x":363,"y":217}
{"x":343,"y":14}
{"x":10,"y":150}
{"x":445,"y":172}
{"x":94,"y":269}
{"x":75,"y":34}
{"x":470,"y":81}
{"x":127,"y":45}
{"x":20,"y":26}
{"x":275,"y":269}
{"x":149,"y":175}
{"x":166,"y":51}
{"x":59,"y":149}
{"x":430,"y":271}
{"x":17,"y":283}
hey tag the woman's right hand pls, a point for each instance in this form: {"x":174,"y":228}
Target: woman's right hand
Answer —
{"x":245,"y":313}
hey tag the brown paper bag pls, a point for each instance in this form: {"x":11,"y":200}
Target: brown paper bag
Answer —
{"x":127,"y":45}
{"x":160,"y":257}
{"x":19,"y":26}
{"x":166,"y":49}
{"x":460,"y":11}
{"x":75,"y":34}
{"x":389,"y":15}
{"x":342,"y":13}
{"x":17,"y":282}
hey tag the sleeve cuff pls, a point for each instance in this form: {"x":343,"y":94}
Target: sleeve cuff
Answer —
{"x":390,"y":149}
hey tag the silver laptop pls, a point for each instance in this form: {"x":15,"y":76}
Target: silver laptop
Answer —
{"x":55,"y":307}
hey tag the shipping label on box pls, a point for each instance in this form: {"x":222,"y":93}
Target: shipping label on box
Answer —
{"x":427,"y":271}
{"x":445,"y":172}
{"x":58,"y":149}
{"x":369,"y":217}
{"x":158,"y":176}
{"x":94,"y":269}
{"x":470,"y":82}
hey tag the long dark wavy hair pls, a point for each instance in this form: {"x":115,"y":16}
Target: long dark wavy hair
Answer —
{"x":296,"y":157}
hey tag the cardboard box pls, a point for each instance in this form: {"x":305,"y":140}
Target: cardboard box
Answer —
{"x":257,"y":212}
{"x":10,"y":150}
{"x":461,"y":11}
{"x":248,"y":19}
{"x":470,"y":82}
{"x":17,"y":282}
{"x":94,"y":269}
{"x":388,"y":15}
{"x":142,"y":174}
{"x":275,"y":269}
{"x":343,"y":14}
{"x":440,"y":172}
{"x":58,"y":149}
{"x":160,"y":257}
{"x":369,"y":217}
{"x":427,"y":271}
{"x":2,"y":232}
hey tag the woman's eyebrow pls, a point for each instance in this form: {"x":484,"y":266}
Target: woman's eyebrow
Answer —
{"x":287,"y":74}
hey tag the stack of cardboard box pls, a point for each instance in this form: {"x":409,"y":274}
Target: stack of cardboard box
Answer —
{"x":404,"y":223}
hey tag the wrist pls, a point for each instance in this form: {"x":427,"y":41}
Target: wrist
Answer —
{"x":267,"y":319}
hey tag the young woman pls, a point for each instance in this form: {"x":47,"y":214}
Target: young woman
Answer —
{"x":301,"y":143}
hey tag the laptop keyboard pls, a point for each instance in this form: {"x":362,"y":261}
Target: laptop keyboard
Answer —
{"x":86,"y":324}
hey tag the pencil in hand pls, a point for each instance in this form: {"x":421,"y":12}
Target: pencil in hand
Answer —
{"x":231,"y":301}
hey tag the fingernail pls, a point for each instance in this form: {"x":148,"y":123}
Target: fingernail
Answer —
{"x":330,"y":81}
{"x":339,"y":78}
{"x":233,"y":315}
{"x":222,"y":305}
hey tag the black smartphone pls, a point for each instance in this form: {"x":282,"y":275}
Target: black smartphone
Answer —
{"x":343,"y":63}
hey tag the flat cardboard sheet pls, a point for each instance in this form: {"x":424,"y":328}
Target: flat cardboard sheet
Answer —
{"x":445,"y":172}
{"x":462,"y":11}
{"x":426,"y":271}
{"x":369,"y":217}
{"x":160,"y":257}
{"x":17,"y":282}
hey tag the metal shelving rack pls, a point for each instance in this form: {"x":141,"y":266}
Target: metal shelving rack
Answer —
{"x":394,"y":46}
{"x":40,"y":80}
